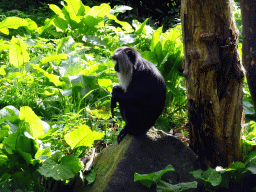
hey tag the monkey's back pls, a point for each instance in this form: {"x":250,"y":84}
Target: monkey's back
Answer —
{"x":148,"y":87}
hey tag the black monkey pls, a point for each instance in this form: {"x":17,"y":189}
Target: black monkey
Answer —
{"x":141,"y":93}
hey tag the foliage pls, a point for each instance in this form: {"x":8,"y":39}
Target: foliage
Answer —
{"x":23,"y":154}
{"x":238,"y":18}
{"x":220,"y":177}
{"x":155,"y":178}
{"x":166,"y":50}
{"x":61,"y":70}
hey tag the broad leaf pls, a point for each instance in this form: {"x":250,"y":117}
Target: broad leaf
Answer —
{"x":18,"y":53}
{"x":13,"y":23}
{"x":82,"y":136}
{"x":36,"y":127}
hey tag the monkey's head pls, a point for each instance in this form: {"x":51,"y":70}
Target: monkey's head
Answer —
{"x":126,"y":60}
{"x":124,"y":57}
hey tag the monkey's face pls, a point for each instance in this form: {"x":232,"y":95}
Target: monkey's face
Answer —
{"x":124,"y":59}
{"x":115,"y":58}
{"x":117,"y":66}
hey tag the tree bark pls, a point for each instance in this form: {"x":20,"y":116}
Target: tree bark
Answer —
{"x":214,"y":80}
{"x":248,"y":9}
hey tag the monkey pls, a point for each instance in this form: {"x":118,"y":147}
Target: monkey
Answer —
{"x":141,"y":92}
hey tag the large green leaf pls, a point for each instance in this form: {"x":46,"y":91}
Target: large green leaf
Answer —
{"x":163,"y":186}
{"x":82,"y":136}
{"x":53,"y":58}
{"x":57,"y":171}
{"x":13,"y":23}
{"x":100,"y":11}
{"x":211,"y":175}
{"x":75,"y":8}
{"x":53,"y":78}
{"x":18,"y":52}
{"x":140,"y":29}
{"x":155,"y":39}
{"x":152,"y":178}
{"x":57,"y":10}
{"x":60,"y":24}
{"x":126,"y":26}
{"x":36,"y":127}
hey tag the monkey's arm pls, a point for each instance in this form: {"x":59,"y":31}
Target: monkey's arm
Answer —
{"x":117,"y":89}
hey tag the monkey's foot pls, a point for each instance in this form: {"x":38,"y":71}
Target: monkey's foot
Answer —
{"x":121,"y":135}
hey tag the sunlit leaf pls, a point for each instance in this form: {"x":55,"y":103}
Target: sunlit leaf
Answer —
{"x":13,"y":23}
{"x":34,"y":121}
{"x":82,"y":136}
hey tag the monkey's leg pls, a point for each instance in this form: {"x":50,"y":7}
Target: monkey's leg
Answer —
{"x":134,"y":121}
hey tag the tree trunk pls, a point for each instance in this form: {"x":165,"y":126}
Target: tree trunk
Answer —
{"x":248,"y":9}
{"x":214,"y":80}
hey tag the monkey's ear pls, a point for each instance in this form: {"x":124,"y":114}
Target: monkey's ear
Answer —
{"x":131,"y":53}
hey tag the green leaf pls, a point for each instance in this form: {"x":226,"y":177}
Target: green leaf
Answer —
{"x":4,"y":132}
{"x":60,"y":167}
{"x":140,"y":29}
{"x":13,"y":23}
{"x":3,"y":67}
{"x":36,"y":127}
{"x":47,"y":24}
{"x":71,"y":66}
{"x":212,"y":176}
{"x":251,"y":167}
{"x":53,"y":78}
{"x":31,"y":24}
{"x":105,"y":83}
{"x":250,"y":157}
{"x":236,"y":165}
{"x":82,"y":136}
{"x":251,"y":162}
{"x":148,"y":55}
{"x":43,"y":152}
{"x":164,"y":186}
{"x":20,"y":142}
{"x":159,"y":52}
{"x":74,"y":6}
{"x":100,"y":11}
{"x":72,"y":162}
{"x":197,"y":174}
{"x":3,"y":160}
{"x":56,"y":10}
{"x":18,"y":53}
{"x":26,"y":156}
{"x":91,"y":176}
{"x":60,"y":24}
{"x":53,"y":58}
{"x":152,"y":178}
{"x":57,"y":171}
{"x":126,"y":26}
{"x":65,"y":45}
{"x":155,"y":39}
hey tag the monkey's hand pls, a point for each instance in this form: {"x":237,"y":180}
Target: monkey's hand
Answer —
{"x":116,"y":90}
{"x":121,"y":135}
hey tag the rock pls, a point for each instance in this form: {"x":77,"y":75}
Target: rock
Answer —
{"x":117,"y":164}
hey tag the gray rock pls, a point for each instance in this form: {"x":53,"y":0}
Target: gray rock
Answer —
{"x":117,"y":164}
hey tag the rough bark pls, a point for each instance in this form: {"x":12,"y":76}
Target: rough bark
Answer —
{"x":214,"y":80}
{"x":248,"y":9}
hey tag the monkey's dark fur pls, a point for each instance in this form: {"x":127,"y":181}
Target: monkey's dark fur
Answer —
{"x":141,"y":93}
